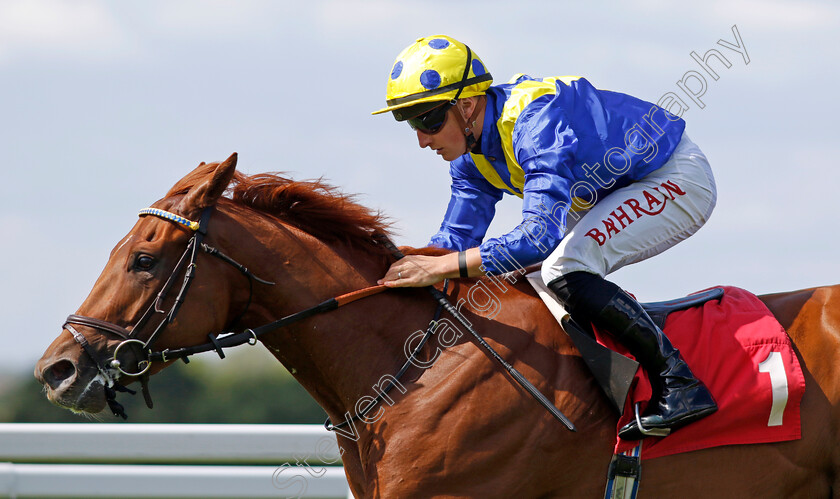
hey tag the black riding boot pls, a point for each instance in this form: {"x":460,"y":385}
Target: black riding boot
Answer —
{"x":679,"y":398}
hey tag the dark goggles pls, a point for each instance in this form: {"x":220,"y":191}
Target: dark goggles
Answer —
{"x":432,"y":121}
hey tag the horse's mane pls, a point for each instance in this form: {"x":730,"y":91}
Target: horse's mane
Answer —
{"x":312,"y":206}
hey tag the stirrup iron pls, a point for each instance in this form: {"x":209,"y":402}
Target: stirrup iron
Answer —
{"x":653,"y":432}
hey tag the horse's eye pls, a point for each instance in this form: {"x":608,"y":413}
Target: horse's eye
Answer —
{"x":144,"y":262}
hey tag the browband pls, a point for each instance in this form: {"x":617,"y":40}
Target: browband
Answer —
{"x":168,"y":215}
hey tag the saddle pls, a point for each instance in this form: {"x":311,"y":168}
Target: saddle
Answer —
{"x":614,"y":372}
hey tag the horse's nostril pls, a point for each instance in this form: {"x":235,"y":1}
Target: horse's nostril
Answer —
{"x":55,"y":374}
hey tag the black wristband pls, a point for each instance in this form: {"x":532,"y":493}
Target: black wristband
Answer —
{"x":462,"y":263}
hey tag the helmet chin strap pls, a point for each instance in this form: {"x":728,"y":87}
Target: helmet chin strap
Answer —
{"x":468,"y":125}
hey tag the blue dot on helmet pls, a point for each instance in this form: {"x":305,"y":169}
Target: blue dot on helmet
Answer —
{"x":395,"y":73}
{"x":478,"y":67}
{"x":438,"y":43}
{"x":430,"y":79}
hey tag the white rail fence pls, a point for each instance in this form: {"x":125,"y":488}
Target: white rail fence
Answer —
{"x":169,"y":460}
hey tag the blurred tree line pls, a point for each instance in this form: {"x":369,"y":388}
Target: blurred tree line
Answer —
{"x":249,"y":386}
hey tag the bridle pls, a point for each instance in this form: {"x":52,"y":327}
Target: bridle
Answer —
{"x":130,"y":338}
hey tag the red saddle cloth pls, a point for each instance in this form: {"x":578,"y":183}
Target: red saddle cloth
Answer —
{"x":745,"y":358}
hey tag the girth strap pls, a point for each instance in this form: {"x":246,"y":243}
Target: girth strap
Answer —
{"x":624,"y":475}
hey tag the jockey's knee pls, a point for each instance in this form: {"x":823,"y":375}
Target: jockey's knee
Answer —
{"x":559,"y":264}
{"x":574,"y":254}
{"x":583,"y":294}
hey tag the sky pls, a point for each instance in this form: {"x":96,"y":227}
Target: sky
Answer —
{"x":104,"y":105}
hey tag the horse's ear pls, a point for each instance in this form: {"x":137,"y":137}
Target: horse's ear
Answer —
{"x":208,"y":191}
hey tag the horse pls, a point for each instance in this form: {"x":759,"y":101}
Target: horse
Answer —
{"x":455,"y":425}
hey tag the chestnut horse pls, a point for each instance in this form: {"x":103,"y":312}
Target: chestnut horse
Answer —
{"x":458,"y":428}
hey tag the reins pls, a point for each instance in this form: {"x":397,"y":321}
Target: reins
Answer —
{"x":219,"y":341}
{"x":250,"y":336}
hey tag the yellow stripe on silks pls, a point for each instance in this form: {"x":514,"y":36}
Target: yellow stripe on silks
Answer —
{"x":521,"y":95}
{"x":578,"y":204}
{"x":490,"y":174}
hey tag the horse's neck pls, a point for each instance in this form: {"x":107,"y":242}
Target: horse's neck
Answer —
{"x":337,"y":356}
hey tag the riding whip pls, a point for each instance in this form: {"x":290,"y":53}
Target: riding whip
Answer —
{"x":523,"y":382}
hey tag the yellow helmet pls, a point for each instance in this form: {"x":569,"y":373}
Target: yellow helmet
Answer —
{"x":432,"y":70}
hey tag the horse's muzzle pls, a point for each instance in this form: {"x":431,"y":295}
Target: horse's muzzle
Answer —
{"x":68,"y":386}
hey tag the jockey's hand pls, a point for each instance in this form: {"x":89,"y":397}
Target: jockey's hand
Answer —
{"x":417,"y":271}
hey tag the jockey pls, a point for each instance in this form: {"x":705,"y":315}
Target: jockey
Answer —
{"x":605,"y":179}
